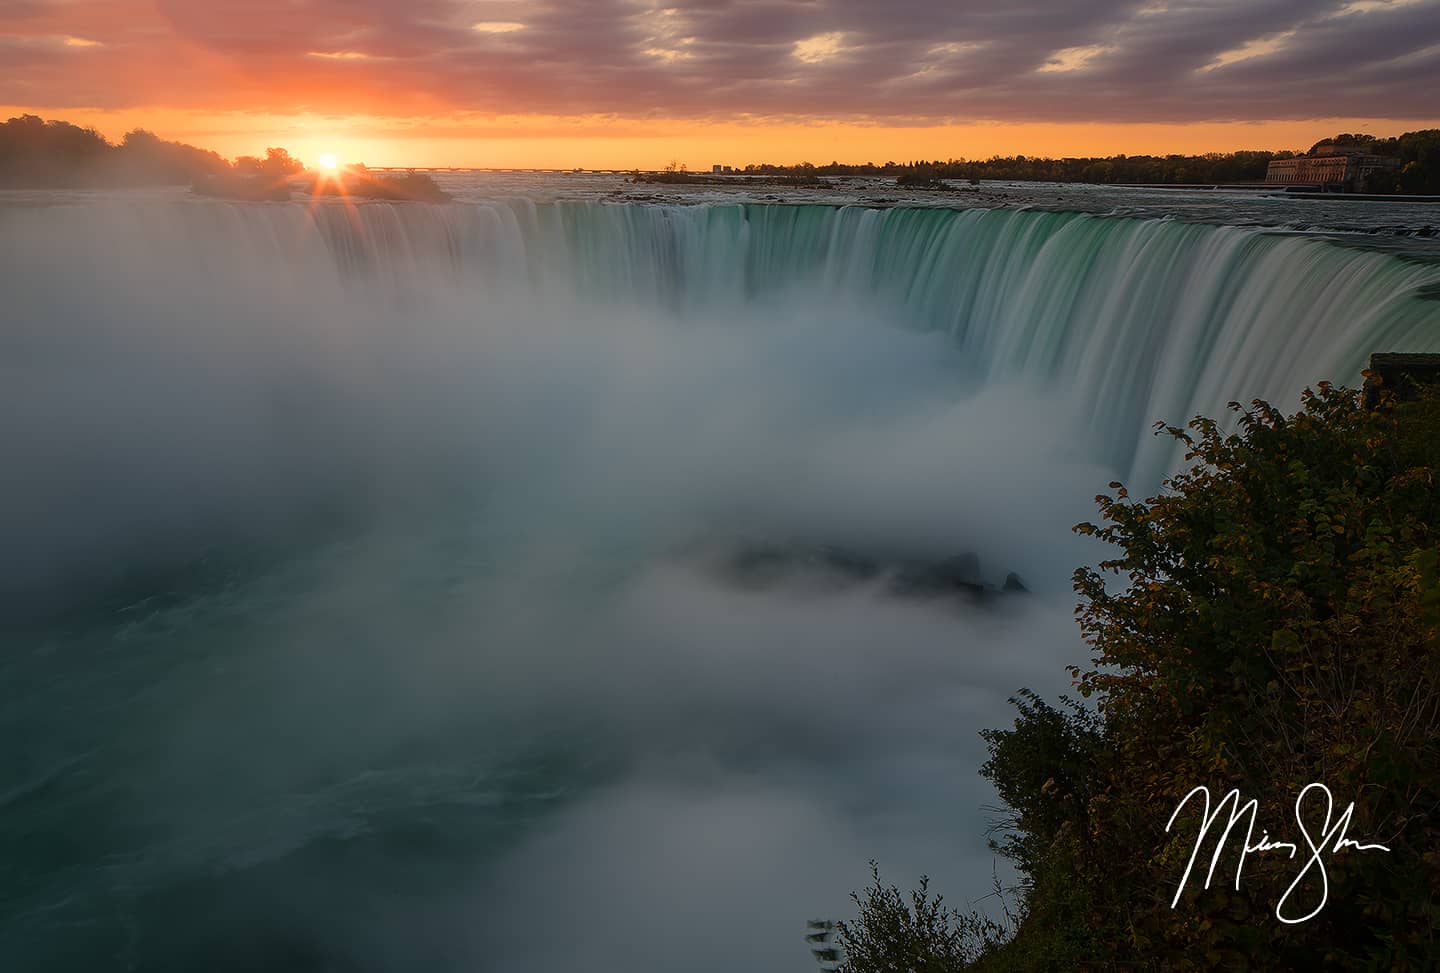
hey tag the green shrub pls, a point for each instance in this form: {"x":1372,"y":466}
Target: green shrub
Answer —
{"x":913,"y":933}
{"x":1276,"y":623}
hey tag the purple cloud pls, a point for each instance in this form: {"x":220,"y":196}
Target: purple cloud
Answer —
{"x":1020,"y":60}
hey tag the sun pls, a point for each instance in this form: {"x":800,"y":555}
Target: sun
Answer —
{"x":329,"y":163}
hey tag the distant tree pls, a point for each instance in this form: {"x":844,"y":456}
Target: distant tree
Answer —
{"x":277,"y":164}
{"x":1419,"y":154}
{"x":281,"y":162}
{"x":34,"y":152}
{"x":143,"y":158}
{"x":1367,"y":143}
{"x":919,"y":179}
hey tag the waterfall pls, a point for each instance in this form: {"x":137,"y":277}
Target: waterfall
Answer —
{"x":359,"y":580}
{"x":1148,"y":319}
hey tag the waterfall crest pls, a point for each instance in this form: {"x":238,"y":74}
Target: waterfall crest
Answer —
{"x":1145,"y":319}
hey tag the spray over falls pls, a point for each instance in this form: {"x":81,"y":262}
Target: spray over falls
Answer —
{"x":1145,"y":319}
{"x":502,"y":681}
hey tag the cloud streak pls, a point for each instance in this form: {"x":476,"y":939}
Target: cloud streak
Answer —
{"x":1034,"y":60}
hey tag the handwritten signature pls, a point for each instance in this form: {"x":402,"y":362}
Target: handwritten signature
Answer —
{"x":1332,"y":838}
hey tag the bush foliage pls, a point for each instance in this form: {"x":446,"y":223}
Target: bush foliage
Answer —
{"x":1271,"y":619}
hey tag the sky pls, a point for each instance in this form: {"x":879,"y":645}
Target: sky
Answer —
{"x":625,"y":83}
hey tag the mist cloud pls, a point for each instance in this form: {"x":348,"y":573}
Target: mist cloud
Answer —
{"x":507,"y":715}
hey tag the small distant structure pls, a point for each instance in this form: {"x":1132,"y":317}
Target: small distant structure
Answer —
{"x":1404,"y":375}
{"x":718,"y":169}
{"x":1337,"y":171}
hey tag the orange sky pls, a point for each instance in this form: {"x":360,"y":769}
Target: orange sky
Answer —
{"x":601,"y":143}
{"x":638,"y":83}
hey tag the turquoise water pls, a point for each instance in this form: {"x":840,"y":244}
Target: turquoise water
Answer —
{"x":360,"y":606}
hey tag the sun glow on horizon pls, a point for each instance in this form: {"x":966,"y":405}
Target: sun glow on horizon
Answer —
{"x":620,"y":143}
{"x":329,"y":162}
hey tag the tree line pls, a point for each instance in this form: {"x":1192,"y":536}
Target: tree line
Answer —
{"x":35,"y":153}
{"x":40,"y":154}
{"x":1418,"y":153}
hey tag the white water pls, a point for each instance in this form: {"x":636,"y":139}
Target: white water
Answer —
{"x":1174,"y":317}
{"x":475,"y":706}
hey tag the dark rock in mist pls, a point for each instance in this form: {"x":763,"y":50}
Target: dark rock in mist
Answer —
{"x":953,"y":575}
{"x":766,"y":565}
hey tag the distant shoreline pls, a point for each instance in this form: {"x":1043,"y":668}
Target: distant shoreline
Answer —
{"x":40,"y":154}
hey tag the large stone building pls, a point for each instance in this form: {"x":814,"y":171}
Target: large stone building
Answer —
{"x":1347,"y":172}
